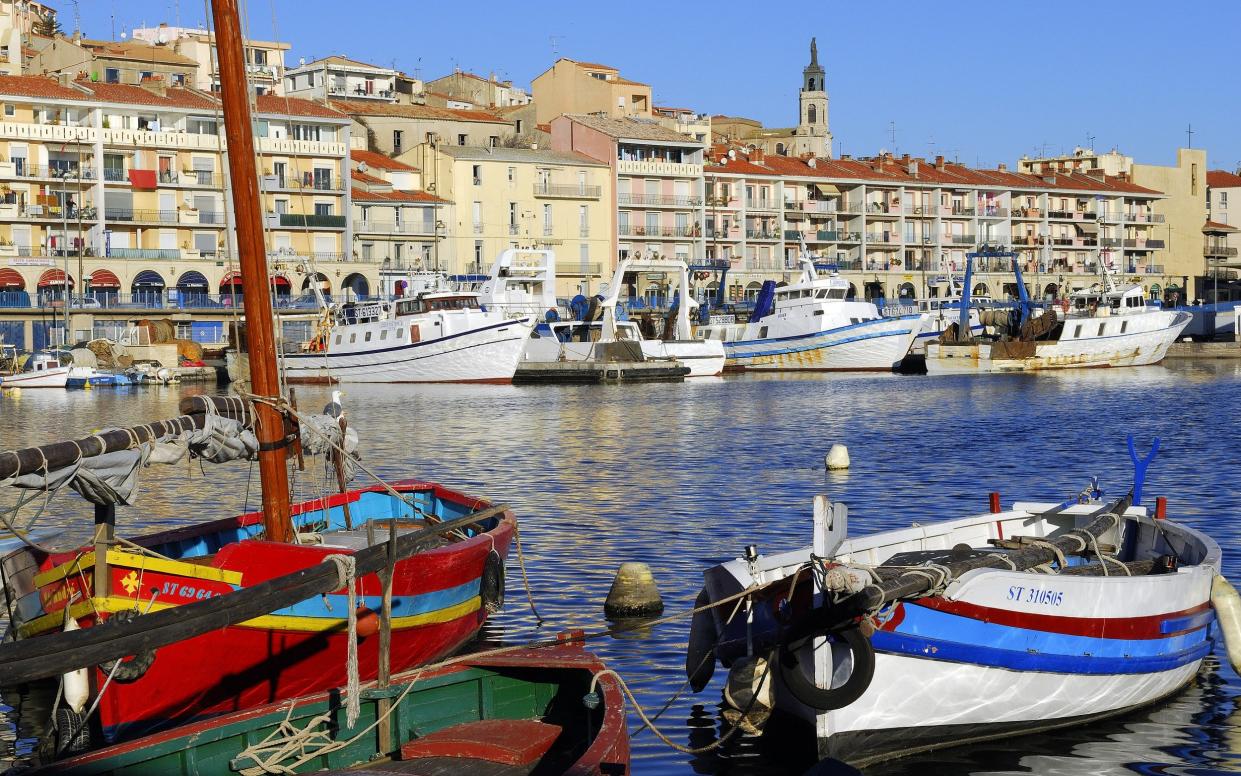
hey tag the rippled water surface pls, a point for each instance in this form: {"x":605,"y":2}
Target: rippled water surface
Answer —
{"x":683,"y":476}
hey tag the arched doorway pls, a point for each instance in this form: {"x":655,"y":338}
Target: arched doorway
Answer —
{"x":281,"y":286}
{"x":980,"y":289}
{"x":751,"y":291}
{"x":357,"y":285}
{"x":148,"y":288}
{"x":906,"y":291}
{"x":52,"y":286}
{"x":1050,"y":291}
{"x":13,"y":289}
{"x":102,"y":285}
{"x":193,"y":289}
{"x":321,"y":280}
{"x":230,"y":289}
{"x":873,"y":289}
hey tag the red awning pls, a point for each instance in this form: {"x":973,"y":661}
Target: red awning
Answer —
{"x":231,"y":279}
{"x":54,"y":277}
{"x":10,"y":278}
{"x":102,"y":278}
{"x":280,"y":280}
{"x":142,"y":179}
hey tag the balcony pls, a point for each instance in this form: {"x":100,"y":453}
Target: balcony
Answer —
{"x":201,"y":178}
{"x":675,"y":169}
{"x":813,"y":206}
{"x":568,"y":192}
{"x":1144,"y":218}
{"x":662,"y":231}
{"x":159,"y":254}
{"x":762,"y":234}
{"x":961,"y":211}
{"x":882,"y":239}
{"x":1144,"y":245}
{"x":391,"y":227}
{"x":1219,"y":251}
{"x":1110,"y":242}
{"x":69,"y":173}
{"x":313,"y":221}
{"x":114,"y":175}
{"x":993,"y":212}
{"x":882,"y":209}
{"x":761,"y":204}
{"x":140,"y":216}
{"x":659,"y":200}
{"x":963,"y":239}
{"x":1028,"y":213}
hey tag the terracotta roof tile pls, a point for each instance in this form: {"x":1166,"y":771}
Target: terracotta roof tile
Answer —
{"x":395,"y":196}
{"x":38,"y":86}
{"x":137,"y":51}
{"x":425,"y":112}
{"x":635,"y":129}
{"x":272,"y":104}
{"x":1222,"y":179}
{"x":1216,"y":226}
{"x":129,"y":94}
{"x":362,"y":177}
{"x":379,"y":161}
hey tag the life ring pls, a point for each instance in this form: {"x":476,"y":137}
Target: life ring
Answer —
{"x":700,"y":653}
{"x":491,"y":586}
{"x":127,"y":671}
{"x":803,"y":688}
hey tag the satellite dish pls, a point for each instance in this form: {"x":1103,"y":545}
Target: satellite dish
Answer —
{"x":363,"y":167}
{"x":124,"y":35}
{"x":301,"y":61}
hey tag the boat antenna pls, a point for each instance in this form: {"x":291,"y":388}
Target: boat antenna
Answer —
{"x":252,"y":254}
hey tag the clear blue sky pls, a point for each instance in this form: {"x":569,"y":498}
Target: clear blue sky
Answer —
{"x":983,"y":81}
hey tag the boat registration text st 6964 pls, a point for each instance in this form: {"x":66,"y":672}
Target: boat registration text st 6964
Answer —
{"x":1033,"y":595}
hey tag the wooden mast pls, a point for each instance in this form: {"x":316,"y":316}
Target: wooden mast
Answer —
{"x":239,"y":133}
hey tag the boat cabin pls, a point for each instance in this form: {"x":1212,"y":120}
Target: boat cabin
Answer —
{"x":437,"y":302}
{"x":41,"y":362}
{"x":1115,"y":301}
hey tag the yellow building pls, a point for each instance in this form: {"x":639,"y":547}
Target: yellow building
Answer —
{"x":125,"y":187}
{"x":524,"y":198}
{"x":586,"y":87}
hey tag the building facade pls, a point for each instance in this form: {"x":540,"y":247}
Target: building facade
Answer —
{"x":657,"y":180}
{"x":264,"y":58}
{"x":393,"y":129}
{"x":333,"y":78}
{"x":482,"y":92}
{"x":110,"y":62}
{"x":524,"y":198}
{"x":575,"y":87}
{"x":119,"y":194}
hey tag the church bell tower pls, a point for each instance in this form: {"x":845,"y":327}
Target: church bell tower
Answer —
{"x":812,"y":135}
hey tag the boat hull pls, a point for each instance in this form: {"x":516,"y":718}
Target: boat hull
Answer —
{"x":1147,"y":345}
{"x":488,"y":354}
{"x":47,"y":378}
{"x":876,"y":345}
{"x":439,"y":603}
{"x":998,"y":652}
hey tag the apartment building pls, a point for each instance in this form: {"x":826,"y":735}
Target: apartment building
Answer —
{"x":18,"y":18}
{"x":393,"y":129}
{"x":525,"y":198}
{"x":339,"y":77}
{"x":125,"y":187}
{"x":656,"y":175}
{"x":902,"y":226}
{"x":1222,"y":234}
{"x":488,"y":92}
{"x":264,"y":58}
{"x":396,"y":224}
{"x":112,"y":62}
{"x":687,"y":122}
{"x":575,"y":87}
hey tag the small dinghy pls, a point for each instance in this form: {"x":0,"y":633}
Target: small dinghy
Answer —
{"x":538,"y":711}
{"x":1009,"y":622}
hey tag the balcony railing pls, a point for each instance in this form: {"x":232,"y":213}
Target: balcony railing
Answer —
{"x":568,"y":191}
{"x":1144,"y":244}
{"x":661,"y":231}
{"x":201,"y":178}
{"x":964,"y":239}
{"x":312,"y":221}
{"x":1144,"y":218}
{"x":114,"y":175}
{"x":762,"y":234}
{"x":151,"y":216}
{"x":162,"y":254}
{"x":761,"y":204}
{"x":1110,"y":242}
{"x":1219,"y":250}
{"x":993,"y":212}
{"x":59,"y":172}
{"x":391,"y":227}
{"x":961,"y":211}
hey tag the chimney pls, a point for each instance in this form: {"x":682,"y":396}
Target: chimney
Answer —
{"x":912,"y":166}
{"x":939,"y":162}
{"x":757,"y":156}
{"x":155,"y":85}
{"x":1003,"y":167}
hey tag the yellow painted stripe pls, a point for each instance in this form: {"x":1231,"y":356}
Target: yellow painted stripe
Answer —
{"x":136,"y":561}
{"x":291,"y":623}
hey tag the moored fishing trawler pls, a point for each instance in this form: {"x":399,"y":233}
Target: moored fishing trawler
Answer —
{"x":811,"y":325}
{"x":1013,"y":621}
{"x":1106,"y":325}
{"x":439,"y":337}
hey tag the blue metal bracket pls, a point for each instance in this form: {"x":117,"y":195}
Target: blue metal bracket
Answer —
{"x":1139,"y":468}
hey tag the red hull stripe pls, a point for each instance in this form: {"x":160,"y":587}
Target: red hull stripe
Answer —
{"x":1148,"y":627}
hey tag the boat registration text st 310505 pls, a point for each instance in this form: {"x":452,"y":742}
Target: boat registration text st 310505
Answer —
{"x":1033,"y":595}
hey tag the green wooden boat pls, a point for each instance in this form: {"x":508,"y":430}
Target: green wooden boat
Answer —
{"x":529,"y":712}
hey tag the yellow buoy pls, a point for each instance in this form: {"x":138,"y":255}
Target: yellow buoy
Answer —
{"x":1227,"y":603}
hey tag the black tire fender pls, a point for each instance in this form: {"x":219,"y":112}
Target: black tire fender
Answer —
{"x":700,"y":654}
{"x":127,"y":671}
{"x":803,"y":688}
{"x":491,"y":586}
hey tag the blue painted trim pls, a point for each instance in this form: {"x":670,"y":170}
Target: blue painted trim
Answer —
{"x":954,"y":652}
{"x":293,"y":357}
{"x":402,"y":606}
{"x":827,"y":332}
{"x":814,"y":346}
{"x":1191,"y":622}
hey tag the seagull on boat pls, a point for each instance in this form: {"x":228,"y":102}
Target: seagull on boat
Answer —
{"x":333,"y":408}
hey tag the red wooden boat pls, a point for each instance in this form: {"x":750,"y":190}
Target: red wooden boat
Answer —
{"x":440,"y":598}
{"x":524,"y":712}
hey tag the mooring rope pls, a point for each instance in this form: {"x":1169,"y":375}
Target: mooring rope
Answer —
{"x":346,"y":569}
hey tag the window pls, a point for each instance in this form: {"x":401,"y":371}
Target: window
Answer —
{"x":1102,"y":326}
{"x":310,"y":78}
{"x":518,"y":125}
{"x":1193,"y":179}
{"x":260,"y":56}
{"x":396,"y":142}
{"x":8,"y":111}
{"x":383,"y":335}
{"x":1223,"y":195}
{"x":1077,"y":331}
{"x":493,"y":141}
{"x":547,"y":220}
{"x":461,"y":140}
{"x":368,"y":337}
{"x":477,"y":172}
{"x":367,"y":251}
{"x":1124,"y":326}
{"x":353,"y":338}
{"x":323,"y":208}
{"x":478,"y":253}
{"x":512,"y":214}
{"x":144,"y":75}
{"x":112,"y":75}
{"x":512,"y":173}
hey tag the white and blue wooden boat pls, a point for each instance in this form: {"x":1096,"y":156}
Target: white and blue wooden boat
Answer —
{"x":970,"y":642}
{"x":811,"y":325}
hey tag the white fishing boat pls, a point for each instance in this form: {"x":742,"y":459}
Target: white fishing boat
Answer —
{"x":42,"y":370}
{"x":442,"y":337}
{"x":561,"y":341}
{"x":522,"y":283}
{"x":811,"y":325}
{"x":1104,"y":326}
{"x":1009,"y":622}
{"x":945,"y":311}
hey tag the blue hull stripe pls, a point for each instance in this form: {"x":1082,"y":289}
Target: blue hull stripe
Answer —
{"x":402,"y":605}
{"x":954,"y":652}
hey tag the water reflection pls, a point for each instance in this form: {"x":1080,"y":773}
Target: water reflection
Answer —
{"x":683,"y":476}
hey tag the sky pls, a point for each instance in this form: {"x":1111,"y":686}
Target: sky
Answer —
{"x":980,"y":82}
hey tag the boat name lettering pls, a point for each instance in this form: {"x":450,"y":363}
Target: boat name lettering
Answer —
{"x":187,"y":591}
{"x":1033,"y":595}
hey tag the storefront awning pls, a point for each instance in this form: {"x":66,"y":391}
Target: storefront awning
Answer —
{"x":1088,"y":227}
{"x":102,"y":278}
{"x":827,"y":189}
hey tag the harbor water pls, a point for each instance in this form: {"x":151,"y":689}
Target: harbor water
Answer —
{"x":683,"y":476}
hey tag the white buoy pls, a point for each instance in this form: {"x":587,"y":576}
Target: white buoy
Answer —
{"x":837,"y":457}
{"x":633,"y":593}
{"x":1227,"y":605}
{"x":77,"y":683}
